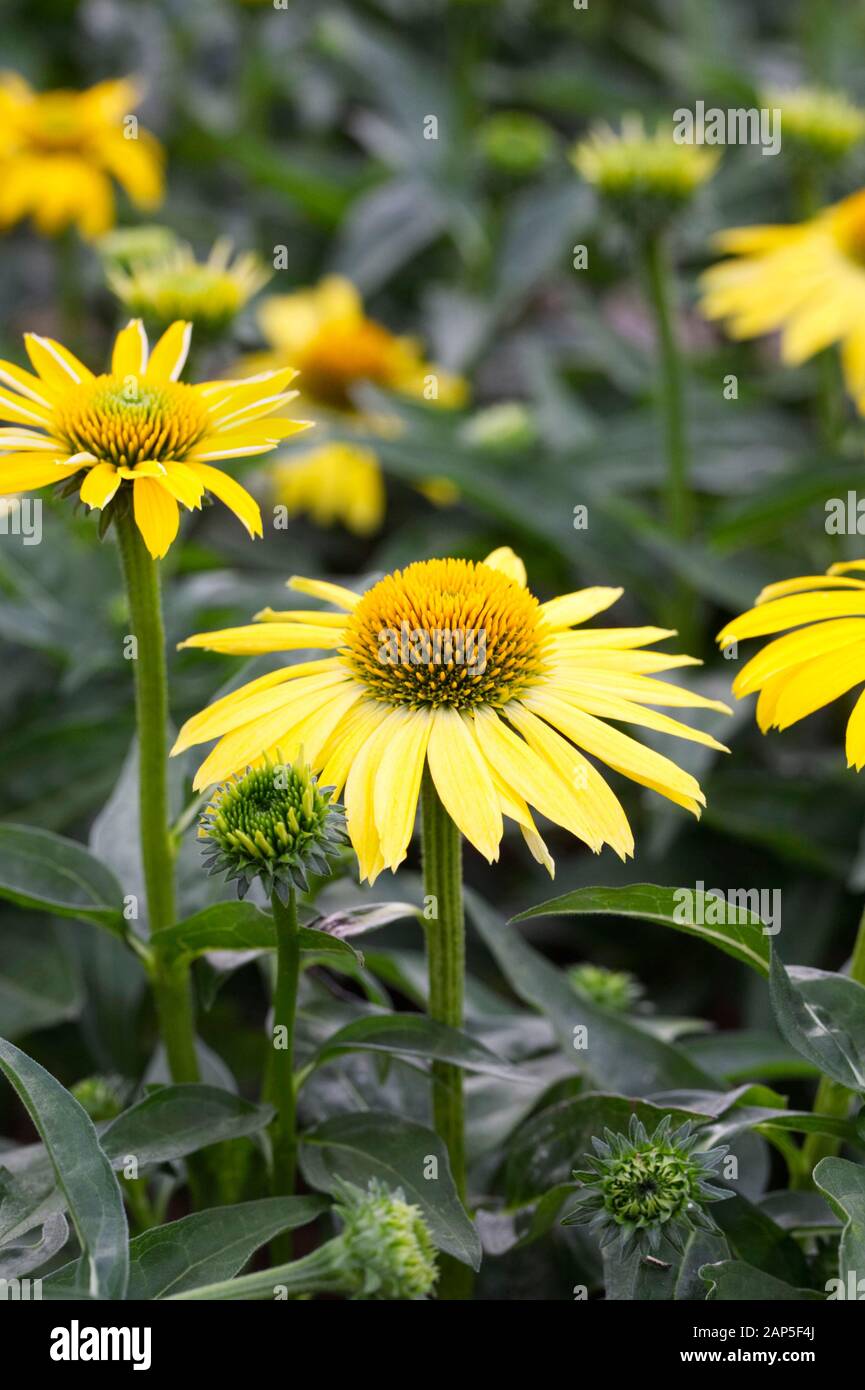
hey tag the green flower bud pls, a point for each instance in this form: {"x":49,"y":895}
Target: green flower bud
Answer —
{"x":618,"y":990}
{"x":516,"y":142}
{"x":642,"y":1189}
{"x":100,"y":1097}
{"x":507,"y":425}
{"x":128,"y":246}
{"x":385,"y":1248}
{"x":273,"y":823}
{"x":818,"y":121}
{"x":644,"y":179}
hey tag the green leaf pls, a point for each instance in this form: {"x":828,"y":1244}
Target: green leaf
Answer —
{"x":754,"y":1237}
{"x":39,"y":984}
{"x":749,"y":1054}
{"x":167,"y":1124}
{"x":740,"y":934}
{"x":415,"y":1036}
{"x":844,"y":1185}
{"x":83,"y":1173}
{"x":45,"y":871}
{"x":822,"y":1015}
{"x":619,"y":1056}
{"x":546,"y":1149}
{"x":374,"y":1144}
{"x":206,"y":1247}
{"x":734,"y":1281}
{"x":237,"y":926}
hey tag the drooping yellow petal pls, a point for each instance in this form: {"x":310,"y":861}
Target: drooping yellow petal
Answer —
{"x":818,"y":683}
{"x":794,"y":648}
{"x":100,"y":485}
{"x":463,"y":782}
{"x":156,"y":515}
{"x":235,"y":497}
{"x":855,"y":743}
{"x":227,"y":712}
{"x":397,"y":784}
{"x":25,"y":472}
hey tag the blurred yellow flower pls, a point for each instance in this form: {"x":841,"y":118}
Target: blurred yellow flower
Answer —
{"x":455,"y":667}
{"x":60,"y":150}
{"x":819,"y":119}
{"x":325,"y":333}
{"x":805,"y":670}
{"x":177,"y":286}
{"x":333,"y":483}
{"x":806,"y":280}
{"x":137,"y":427}
{"x":632,"y":164}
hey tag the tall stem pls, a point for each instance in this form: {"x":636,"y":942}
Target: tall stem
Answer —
{"x":445,"y":940}
{"x":679,"y":499}
{"x":284,"y":1129}
{"x":832,"y":1098}
{"x":170,"y":981}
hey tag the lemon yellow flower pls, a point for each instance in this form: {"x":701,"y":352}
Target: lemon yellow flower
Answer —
{"x":806,"y":281}
{"x":333,"y":483}
{"x":808,"y":668}
{"x":324,"y":332}
{"x":455,"y":666}
{"x":137,"y":426}
{"x":60,"y":150}
{"x":176,"y":286}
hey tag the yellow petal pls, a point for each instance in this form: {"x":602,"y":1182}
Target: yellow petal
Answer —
{"x":264,"y":637}
{"x":794,"y":648}
{"x":55,"y":364}
{"x":818,"y":683}
{"x":509,"y":563}
{"x":320,"y":588}
{"x":183,"y":483}
{"x":24,"y":472}
{"x":169,"y":355}
{"x":463,"y":782}
{"x":856,"y":735}
{"x":397,"y":784}
{"x":129,"y":357}
{"x":156,"y":515}
{"x":563,"y":612}
{"x":206,"y":725}
{"x":100,"y":485}
{"x":791,"y":612}
{"x":235,"y":497}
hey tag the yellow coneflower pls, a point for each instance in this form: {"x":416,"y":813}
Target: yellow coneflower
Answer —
{"x":806,"y":281}
{"x":822,"y":121}
{"x":137,"y":426}
{"x":808,"y":668}
{"x":332,"y":483}
{"x":325,"y":333}
{"x":177,"y":286}
{"x":456,"y":667}
{"x":60,"y":150}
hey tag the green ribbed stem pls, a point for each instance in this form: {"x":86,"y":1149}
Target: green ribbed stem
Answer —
{"x":679,"y":497}
{"x":321,"y":1271}
{"x":170,"y":981}
{"x":282,"y":1081}
{"x":832,"y":1098}
{"x":445,"y":942}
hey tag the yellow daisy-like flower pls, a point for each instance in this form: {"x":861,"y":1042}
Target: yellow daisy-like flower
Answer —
{"x":325,"y":333}
{"x":59,"y":152}
{"x":806,"y":669}
{"x":806,"y":281}
{"x":137,"y":426}
{"x":333,"y":483}
{"x":457,"y":667}
{"x":817,"y":118}
{"x":176,"y":286}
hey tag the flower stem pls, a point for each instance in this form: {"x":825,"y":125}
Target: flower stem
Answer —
{"x":832,"y":1097}
{"x":170,"y":980}
{"x":282,"y":1082}
{"x":679,"y":498}
{"x":445,"y":940}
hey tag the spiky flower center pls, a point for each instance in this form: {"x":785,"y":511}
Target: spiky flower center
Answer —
{"x":271,"y":811}
{"x":445,"y":632}
{"x":125,"y":420}
{"x":648,"y":1187}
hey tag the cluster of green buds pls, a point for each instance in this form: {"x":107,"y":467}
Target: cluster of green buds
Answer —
{"x":100,"y":1096}
{"x":643,"y":1189}
{"x":643,"y":179}
{"x":617,"y":990}
{"x":273,"y":823}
